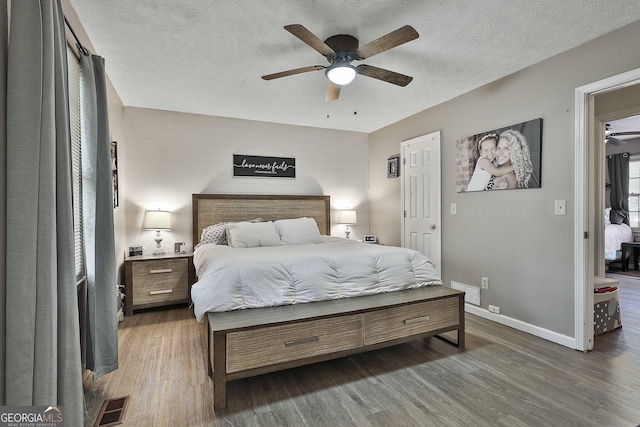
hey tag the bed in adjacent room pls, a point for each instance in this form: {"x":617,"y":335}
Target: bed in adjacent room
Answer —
{"x":277,"y":291}
{"x":616,"y":232}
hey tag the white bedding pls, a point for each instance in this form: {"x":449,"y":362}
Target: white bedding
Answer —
{"x":615,"y":235}
{"x":236,"y":278}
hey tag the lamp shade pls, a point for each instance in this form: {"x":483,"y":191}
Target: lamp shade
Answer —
{"x":347,"y":216}
{"x":157,"y":220}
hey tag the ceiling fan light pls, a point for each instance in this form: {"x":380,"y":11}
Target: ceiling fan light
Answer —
{"x":341,"y":73}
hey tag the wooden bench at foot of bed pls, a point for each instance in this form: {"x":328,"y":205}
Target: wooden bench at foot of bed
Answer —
{"x":245,"y":343}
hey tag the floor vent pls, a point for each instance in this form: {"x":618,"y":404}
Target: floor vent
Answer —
{"x":112,"y":412}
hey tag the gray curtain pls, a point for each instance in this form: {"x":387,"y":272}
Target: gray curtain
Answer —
{"x":43,"y":364}
{"x":618,"y":165}
{"x":97,"y":205}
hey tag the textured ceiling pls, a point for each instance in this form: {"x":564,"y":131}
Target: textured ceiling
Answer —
{"x":207,"y":56}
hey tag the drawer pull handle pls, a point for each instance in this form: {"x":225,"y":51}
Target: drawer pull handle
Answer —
{"x":416,"y":320}
{"x":166,"y":291}
{"x":162,"y":270}
{"x":301,"y":341}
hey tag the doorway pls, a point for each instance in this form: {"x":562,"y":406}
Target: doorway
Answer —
{"x":589,"y":182}
{"x":616,"y":124}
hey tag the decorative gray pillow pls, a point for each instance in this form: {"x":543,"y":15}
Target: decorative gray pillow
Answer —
{"x":617,"y":216}
{"x":217,"y":233}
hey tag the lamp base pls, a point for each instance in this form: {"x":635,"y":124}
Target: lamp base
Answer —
{"x":158,"y":250}
{"x":347,"y":234}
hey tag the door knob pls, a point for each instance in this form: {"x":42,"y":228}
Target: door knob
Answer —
{"x":433,"y":226}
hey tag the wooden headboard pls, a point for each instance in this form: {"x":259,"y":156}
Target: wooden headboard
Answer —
{"x":209,"y":209}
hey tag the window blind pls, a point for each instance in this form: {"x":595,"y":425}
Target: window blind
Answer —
{"x":76,"y":161}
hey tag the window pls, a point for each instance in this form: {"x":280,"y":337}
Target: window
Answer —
{"x":76,"y":161}
{"x":634,"y":192}
{"x":73,"y":75}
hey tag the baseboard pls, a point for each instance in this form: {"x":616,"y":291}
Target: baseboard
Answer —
{"x":522,"y":326}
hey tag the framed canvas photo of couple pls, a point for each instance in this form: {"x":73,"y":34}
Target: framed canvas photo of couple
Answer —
{"x":501,"y":159}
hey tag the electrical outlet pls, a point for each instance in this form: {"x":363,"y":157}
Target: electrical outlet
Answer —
{"x":485,"y":283}
{"x":494,"y":309}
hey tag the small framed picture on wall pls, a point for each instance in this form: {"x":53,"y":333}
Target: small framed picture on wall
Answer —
{"x":393,"y":167}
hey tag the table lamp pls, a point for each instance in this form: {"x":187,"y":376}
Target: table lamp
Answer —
{"x":157,"y":220}
{"x":348,"y":217}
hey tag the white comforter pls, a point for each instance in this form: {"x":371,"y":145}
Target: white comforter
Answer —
{"x":234,"y":278}
{"x":615,"y":235}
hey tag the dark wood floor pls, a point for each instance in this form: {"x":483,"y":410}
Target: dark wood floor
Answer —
{"x":502,"y":378}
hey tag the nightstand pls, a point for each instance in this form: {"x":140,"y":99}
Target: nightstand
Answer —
{"x":158,"y":280}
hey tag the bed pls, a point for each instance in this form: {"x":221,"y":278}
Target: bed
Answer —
{"x":615,"y":234}
{"x":253,"y":332}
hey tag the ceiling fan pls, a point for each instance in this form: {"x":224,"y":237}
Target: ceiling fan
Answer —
{"x":610,"y":137}
{"x":342,"y":49}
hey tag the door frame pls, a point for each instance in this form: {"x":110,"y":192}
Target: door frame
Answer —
{"x":403,"y":159}
{"x":586,"y":180}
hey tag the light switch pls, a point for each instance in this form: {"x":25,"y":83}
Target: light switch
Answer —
{"x":561,"y":207}
{"x":454,"y":208}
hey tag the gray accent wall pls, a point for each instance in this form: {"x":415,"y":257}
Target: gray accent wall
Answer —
{"x":512,"y":237}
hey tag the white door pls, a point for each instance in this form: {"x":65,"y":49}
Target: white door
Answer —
{"x":421,"y":196}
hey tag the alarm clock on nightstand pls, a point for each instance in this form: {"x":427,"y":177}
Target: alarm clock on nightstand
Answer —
{"x":135,"y":250}
{"x":370,"y":238}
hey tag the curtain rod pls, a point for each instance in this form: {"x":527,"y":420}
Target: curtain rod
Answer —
{"x":83,"y":50}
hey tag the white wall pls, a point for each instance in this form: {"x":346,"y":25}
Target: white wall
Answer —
{"x":511,"y":237}
{"x":170,"y":156}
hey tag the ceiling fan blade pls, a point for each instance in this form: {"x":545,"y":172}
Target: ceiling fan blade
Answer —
{"x":333,"y":92}
{"x":624,"y":133}
{"x":384,"y":75}
{"x":293,"y":72}
{"x":386,"y":42}
{"x":615,"y":141}
{"x":309,"y":38}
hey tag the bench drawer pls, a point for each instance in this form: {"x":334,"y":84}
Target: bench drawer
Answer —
{"x":277,"y":344}
{"x":399,"y":322}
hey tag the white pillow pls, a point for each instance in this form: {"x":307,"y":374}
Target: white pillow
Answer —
{"x":607,"y":213}
{"x":299,"y":231}
{"x":251,"y":235}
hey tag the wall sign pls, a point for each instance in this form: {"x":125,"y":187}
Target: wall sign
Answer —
{"x":272,"y":167}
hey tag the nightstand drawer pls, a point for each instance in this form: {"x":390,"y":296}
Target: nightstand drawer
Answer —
{"x":160,"y":281}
